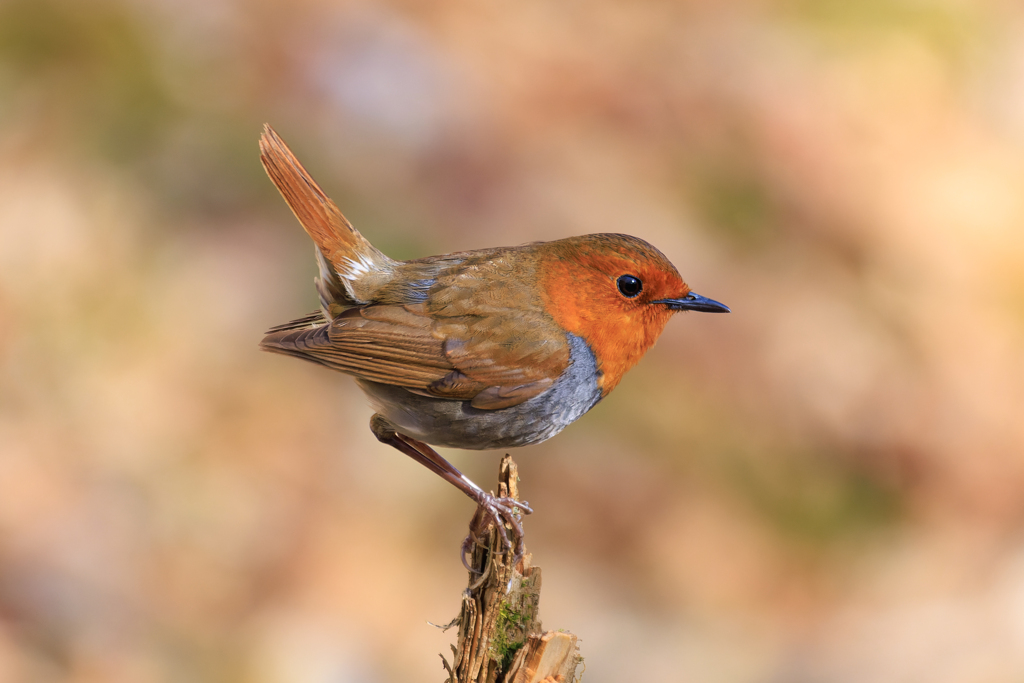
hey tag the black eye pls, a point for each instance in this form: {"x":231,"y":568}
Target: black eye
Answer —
{"x":629,"y":285}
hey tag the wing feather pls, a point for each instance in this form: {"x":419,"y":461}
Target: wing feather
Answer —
{"x":479,"y":337}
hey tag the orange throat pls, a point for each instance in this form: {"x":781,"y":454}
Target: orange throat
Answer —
{"x":619,"y":333}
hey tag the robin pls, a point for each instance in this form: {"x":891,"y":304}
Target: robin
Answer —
{"x":493,"y":348}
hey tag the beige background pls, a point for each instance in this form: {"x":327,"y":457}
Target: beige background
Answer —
{"x":825,"y":486}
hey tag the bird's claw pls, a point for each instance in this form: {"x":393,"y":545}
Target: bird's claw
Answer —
{"x":499,"y":512}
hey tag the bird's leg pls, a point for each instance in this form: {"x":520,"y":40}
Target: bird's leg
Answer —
{"x":491,"y":508}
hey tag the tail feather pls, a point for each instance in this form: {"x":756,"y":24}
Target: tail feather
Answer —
{"x":360,"y":267}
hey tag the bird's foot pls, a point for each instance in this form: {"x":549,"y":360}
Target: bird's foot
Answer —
{"x":499,"y":512}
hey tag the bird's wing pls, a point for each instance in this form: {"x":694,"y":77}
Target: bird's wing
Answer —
{"x":490,"y":312}
{"x":387,"y":344}
{"x":314,"y":319}
{"x":505,"y":356}
{"x":488,"y":360}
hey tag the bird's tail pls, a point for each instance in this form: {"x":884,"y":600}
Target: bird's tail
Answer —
{"x":351,"y":269}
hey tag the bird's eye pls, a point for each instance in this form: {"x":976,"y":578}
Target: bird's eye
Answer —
{"x":629,"y":285}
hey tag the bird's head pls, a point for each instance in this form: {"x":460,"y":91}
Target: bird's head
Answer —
{"x":616,"y":292}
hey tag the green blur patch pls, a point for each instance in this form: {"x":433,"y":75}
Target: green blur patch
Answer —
{"x":951,"y":29}
{"x":90,"y":68}
{"x":818,"y":499}
{"x":735,"y":203}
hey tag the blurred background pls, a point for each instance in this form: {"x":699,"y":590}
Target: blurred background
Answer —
{"x":826,"y":485}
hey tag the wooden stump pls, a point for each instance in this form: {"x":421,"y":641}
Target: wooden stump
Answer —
{"x":500,"y":636}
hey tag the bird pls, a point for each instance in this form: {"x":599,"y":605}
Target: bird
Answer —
{"x":486,"y":349}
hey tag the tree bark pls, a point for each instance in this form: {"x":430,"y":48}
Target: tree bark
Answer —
{"x":500,"y":635}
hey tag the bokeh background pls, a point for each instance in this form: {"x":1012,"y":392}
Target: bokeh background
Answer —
{"x":825,"y":486}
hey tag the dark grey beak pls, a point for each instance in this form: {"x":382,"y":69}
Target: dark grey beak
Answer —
{"x":694,"y":302}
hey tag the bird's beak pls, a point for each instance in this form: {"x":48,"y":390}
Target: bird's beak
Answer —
{"x":694,"y":302}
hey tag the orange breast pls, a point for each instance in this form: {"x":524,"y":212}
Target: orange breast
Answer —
{"x":584,"y":301}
